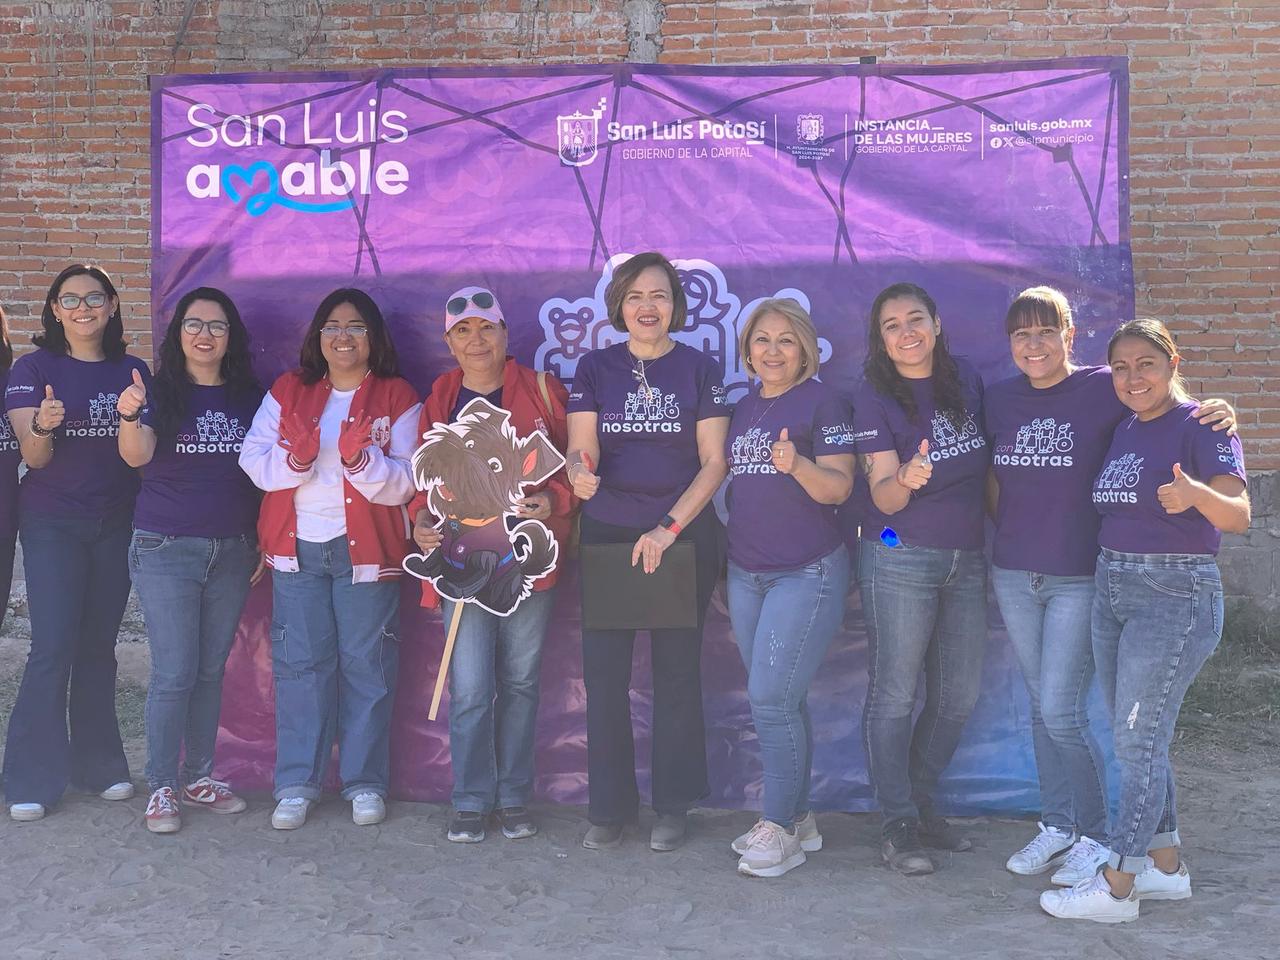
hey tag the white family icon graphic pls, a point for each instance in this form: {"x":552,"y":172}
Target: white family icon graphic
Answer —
{"x":750,"y":452}
{"x":950,"y":440}
{"x":214,"y":427}
{"x":1118,"y":477}
{"x":1044,"y":435}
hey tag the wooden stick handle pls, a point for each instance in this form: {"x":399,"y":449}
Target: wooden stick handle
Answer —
{"x":445,"y":658}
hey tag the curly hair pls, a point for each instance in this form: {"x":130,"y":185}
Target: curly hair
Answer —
{"x":54,"y":339}
{"x":171,"y":387}
{"x":881,"y":372}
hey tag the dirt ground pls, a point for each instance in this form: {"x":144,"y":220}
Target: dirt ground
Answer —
{"x":90,"y":882}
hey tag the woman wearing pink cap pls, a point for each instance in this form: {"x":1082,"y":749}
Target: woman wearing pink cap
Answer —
{"x":493,"y":679}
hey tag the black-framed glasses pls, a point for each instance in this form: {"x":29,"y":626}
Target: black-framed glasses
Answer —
{"x":69,"y":301}
{"x":483,"y":299}
{"x":195,"y":326}
{"x":331,"y":330}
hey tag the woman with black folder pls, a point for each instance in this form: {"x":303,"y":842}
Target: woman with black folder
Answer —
{"x":647,"y":424}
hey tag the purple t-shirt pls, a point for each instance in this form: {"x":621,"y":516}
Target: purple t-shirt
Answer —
{"x":773,"y":523}
{"x":947,"y":512}
{"x":193,"y":486}
{"x":86,"y":477}
{"x":10,"y":457}
{"x":1046,"y":447}
{"x":1139,"y":461}
{"x":648,"y":438}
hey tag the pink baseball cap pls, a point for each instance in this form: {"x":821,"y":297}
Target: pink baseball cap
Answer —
{"x":472,"y":303}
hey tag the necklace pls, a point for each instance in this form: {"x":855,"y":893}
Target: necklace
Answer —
{"x":647,"y":392}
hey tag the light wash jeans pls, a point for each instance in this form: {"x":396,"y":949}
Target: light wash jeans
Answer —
{"x":1047,"y":618}
{"x":192,"y":590}
{"x":493,"y":701}
{"x":1156,"y":619}
{"x":334,"y":654}
{"x":925,"y":608}
{"x":784,"y":621}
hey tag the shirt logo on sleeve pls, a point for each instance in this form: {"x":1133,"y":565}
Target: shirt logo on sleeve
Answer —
{"x":1041,"y":443}
{"x":1228,"y":456}
{"x":950,"y":441}
{"x":839,"y":435}
{"x":1118,"y":477}
{"x":16,"y":388}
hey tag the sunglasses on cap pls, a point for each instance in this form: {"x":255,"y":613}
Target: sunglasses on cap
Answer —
{"x":482,"y":299}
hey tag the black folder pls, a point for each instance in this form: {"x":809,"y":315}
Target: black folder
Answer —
{"x":618,"y":596}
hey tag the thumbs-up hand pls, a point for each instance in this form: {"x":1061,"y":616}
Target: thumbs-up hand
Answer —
{"x":784,"y":454}
{"x":133,"y":397}
{"x":1182,"y":494}
{"x":51,"y":412}
{"x":585,"y":481}
{"x":915,"y":473}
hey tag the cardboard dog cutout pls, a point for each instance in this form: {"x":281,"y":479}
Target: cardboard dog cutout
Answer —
{"x":474,"y":472}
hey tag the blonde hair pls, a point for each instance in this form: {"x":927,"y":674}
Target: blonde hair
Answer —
{"x":1157,"y":334}
{"x":801,"y":324}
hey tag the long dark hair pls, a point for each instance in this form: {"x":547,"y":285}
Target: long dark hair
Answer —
{"x":6,"y":348}
{"x":171,"y":388}
{"x":383,"y":361}
{"x":54,"y":338}
{"x":881,"y":373}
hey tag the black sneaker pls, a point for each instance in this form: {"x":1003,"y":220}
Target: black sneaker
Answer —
{"x":938,"y":834}
{"x":902,"y":850}
{"x":467,"y":826}
{"x":516,"y":823}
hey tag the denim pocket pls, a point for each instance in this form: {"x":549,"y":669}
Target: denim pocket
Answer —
{"x":146,"y":542}
{"x":1170,"y":581}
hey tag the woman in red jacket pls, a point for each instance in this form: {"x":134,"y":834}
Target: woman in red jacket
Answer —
{"x":331,"y":445}
{"x":493,"y":679}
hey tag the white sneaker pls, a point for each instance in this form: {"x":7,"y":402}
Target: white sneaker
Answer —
{"x":1047,"y":850}
{"x":806,"y":830}
{"x":1154,"y":884}
{"x":772,"y":851}
{"x":290,"y":813}
{"x":1089,"y":900}
{"x":26,"y":811}
{"x":1083,"y":860}
{"x":118,"y":791}
{"x":367,"y":808}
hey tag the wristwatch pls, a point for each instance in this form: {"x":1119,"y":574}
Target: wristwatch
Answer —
{"x":669,"y":523}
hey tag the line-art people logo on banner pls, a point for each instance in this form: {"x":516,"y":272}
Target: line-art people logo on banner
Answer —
{"x":578,"y":135}
{"x":573,"y":328}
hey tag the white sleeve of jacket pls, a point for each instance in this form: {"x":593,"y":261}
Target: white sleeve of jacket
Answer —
{"x":388,"y":479}
{"x":262,"y":457}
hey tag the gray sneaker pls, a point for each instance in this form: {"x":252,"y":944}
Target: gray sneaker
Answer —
{"x":902,"y":850}
{"x":669,"y":832}
{"x":806,"y":830}
{"x":603,"y":836}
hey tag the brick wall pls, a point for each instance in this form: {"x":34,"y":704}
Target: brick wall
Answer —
{"x":1205,"y":130}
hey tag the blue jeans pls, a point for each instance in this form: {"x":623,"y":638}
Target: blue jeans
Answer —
{"x":192,"y":591}
{"x":77,"y":586}
{"x":1156,"y":619}
{"x":784,"y":621}
{"x":924,"y":607}
{"x":493,"y":701}
{"x":333,"y":656}
{"x":1048,"y":622}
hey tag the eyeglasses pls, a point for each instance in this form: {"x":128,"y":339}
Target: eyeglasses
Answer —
{"x":332,"y":330}
{"x":216,"y":328}
{"x":483,"y":299}
{"x":69,"y":301}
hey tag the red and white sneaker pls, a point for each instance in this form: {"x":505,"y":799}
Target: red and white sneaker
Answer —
{"x":210,"y":794}
{"x":163,"y":814}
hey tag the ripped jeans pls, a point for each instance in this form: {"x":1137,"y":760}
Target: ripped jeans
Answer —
{"x":784,"y":621}
{"x":1156,"y":619}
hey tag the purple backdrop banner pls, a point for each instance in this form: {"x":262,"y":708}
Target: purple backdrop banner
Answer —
{"x":824,"y":183}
